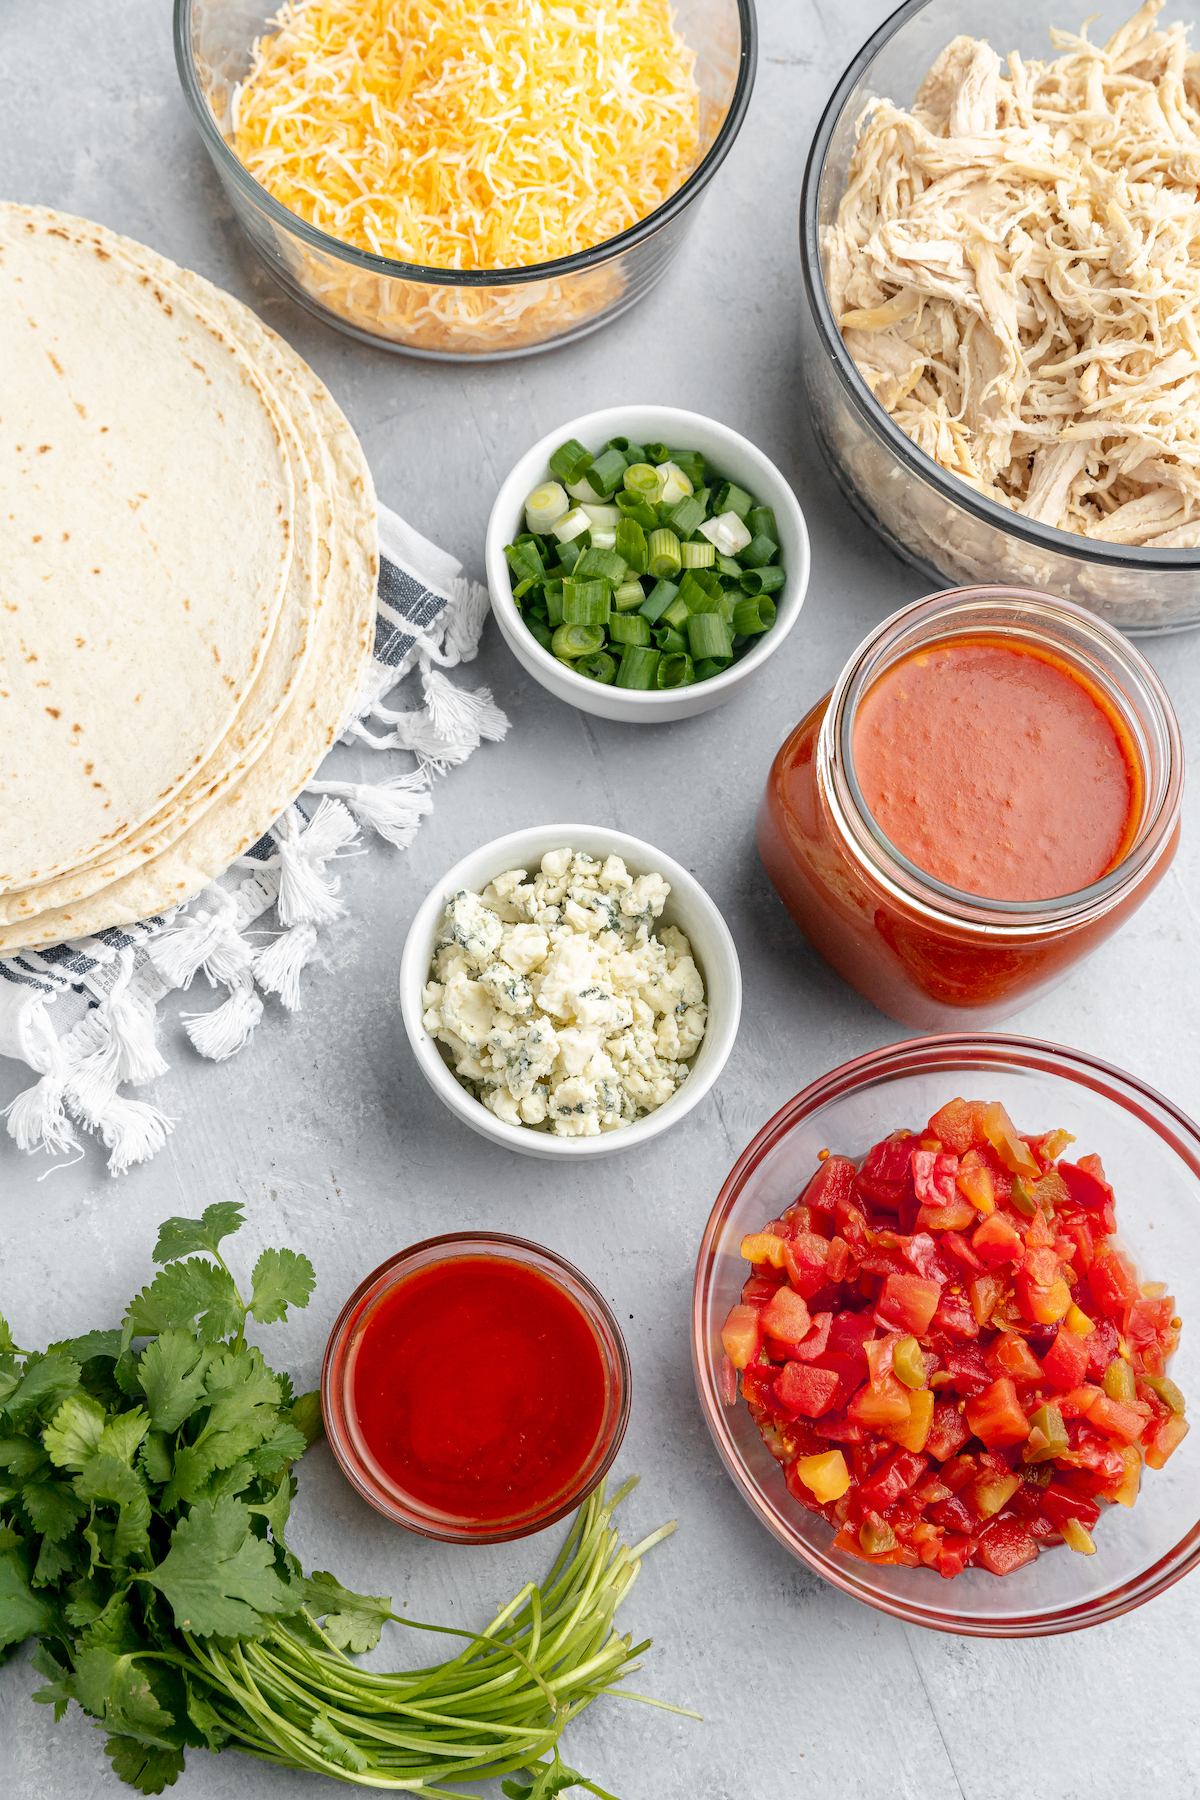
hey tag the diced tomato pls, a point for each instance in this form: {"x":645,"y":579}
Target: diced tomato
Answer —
{"x":933,"y":1176}
{"x":1166,"y":1439}
{"x":803,"y":1388}
{"x":1102,"y":1347}
{"x":763,"y":1248}
{"x":1125,"y":1424}
{"x":876,"y":1405}
{"x":758,"y":1385}
{"x":831,"y":1183}
{"x":1066,"y":1360}
{"x":1149,"y":1322}
{"x":976,"y":1182}
{"x":840,"y":1260}
{"x":741,"y":1335}
{"x":954,"y":1515}
{"x":1113,"y":1283}
{"x":959,"y":1125}
{"x":852,"y":1226}
{"x":805,"y":1258}
{"x":953,"y":1554}
{"x":1005,"y":1545}
{"x":1009,"y":1354}
{"x":817,"y":1340}
{"x":948,"y":1431}
{"x":971,"y":1374}
{"x":838,"y":1429}
{"x":1075,"y":1226}
{"x":996,"y":1416}
{"x":1087,"y":1187}
{"x":1060,"y":1503}
{"x":1042,"y":1301}
{"x":913,"y":1434}
{"x":786,"y":1316}
{"x":888,"y":1161}
{"x":759,"y":1288}
{"x":879,"y":1353}
{"x":907,"y":1304}
{"x":848,"y":1369}
{"x":955,"y":1316}
{"x":850,"y":1331}
{"x":997,"y":1240}
{"x":961,"y":1249}
{"x":894,"y":1476}
{"x":986,"y":1292}
{"x":956,"y":1215}
{"x":1001,"y":1134}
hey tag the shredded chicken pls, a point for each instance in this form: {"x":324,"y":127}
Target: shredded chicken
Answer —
{"x":1015,"y":268}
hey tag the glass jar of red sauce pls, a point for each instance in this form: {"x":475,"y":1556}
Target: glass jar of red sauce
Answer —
{"x":475,"y":1388}
{"x":938,"y":956}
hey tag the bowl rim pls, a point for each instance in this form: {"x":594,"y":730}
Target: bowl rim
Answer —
{"x":1129,"y":1092}
{"x":581,"y":260}
{"x":873,"y":415}
{"x":456,"y":1244}
{"x":657,"y":704}
{"x":414,"y":972}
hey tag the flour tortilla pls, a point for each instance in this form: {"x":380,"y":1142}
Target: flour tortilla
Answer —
{"x":292,"y":639}
{"x":312,"y":721}
{"x":147,"y":517}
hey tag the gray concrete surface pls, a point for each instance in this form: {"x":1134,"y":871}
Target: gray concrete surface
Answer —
{"x":326,"y":1131}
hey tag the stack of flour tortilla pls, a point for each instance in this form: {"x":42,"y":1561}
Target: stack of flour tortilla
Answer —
{"x":187,"y":579}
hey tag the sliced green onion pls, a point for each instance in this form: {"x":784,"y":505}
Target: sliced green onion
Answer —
{"x":605,"y":564}
{"x":577,"y":640}
{"x":639,"y":667}
{"x":606,"y":473}
{"x":702,"y":497}
{"x":569,"y":553}
{"x":586,"y":603}
{"x":709,"y":636}
{"x":676,"y":672}
{"x":697,"y":555}
{"x":712,"y":665}
{"x":629,"y":628}
{"x":571,"y":525}
{"x":670,"y":641}
{"x":726,"y":533}
{"x":660,"y":597}
{"x":685,"y":517}
{"x":554,"y":602}
{"x":630,"y":507}
{"x":631,"y":544}
{"x":662,"y":553}
{"x":676,"y":485}
{"x":546,"y":506}
{"x":657,"y":453}
{"x":604,"y":540}
{"x":583,"y":491}
{"x":605,"y":518}
{"x":764,"y":581}
{"x":541,"y":632}
{"x":727,"y":566}
{"x":599,"y":666}
{"x":731,"y":498}
{"x":753,"y":614}
{"x":634,"y":454}
{"x":523,"y":587}
{"x":691,"y":462}
{"x":643,"y":480}
{"x":700,"y":591}
{"x":676,"y":614}
{"x":630,"y":594}
{"x":525,"y":559}
{"x":761,"y":521}
{"x":616,"y":443}
{"x":570,"y":461}
{"x":758,"y":552}
{"x":726,"y":604}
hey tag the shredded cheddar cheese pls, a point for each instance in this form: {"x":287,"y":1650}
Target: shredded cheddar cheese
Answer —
{"x":471,"y":134}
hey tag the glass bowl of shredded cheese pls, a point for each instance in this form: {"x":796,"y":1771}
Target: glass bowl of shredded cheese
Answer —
{"x":482,"y":178}
{"x":1000,"y":231}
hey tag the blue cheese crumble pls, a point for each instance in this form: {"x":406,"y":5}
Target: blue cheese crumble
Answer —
{"x":559,"y":1004}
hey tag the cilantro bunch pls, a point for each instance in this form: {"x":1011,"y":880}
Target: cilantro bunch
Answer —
{"x":144,"y":1496}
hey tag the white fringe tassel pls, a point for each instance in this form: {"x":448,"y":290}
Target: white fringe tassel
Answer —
{"x":133,"y":1131}
{"x":306,"y":894}
{"x":229,"y":1027}
{"x":207,"y":939}
{"x":37,"y":1119}
{"x":393,"y":808}
{"x":460,"y":715}
{"x":277,"y":967}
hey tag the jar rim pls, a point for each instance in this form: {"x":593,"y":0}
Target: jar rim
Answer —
{"x":1031,"y":615}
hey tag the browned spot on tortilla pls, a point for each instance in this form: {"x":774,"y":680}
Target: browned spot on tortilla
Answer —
{"x":78,"y":728}
{"x":42,"y":449}
{"x":102,"y":254}
{"x":95,"y":571}
{"x":57,"y":231}
{"x":81,"y":409}
{"x":88,"y":767}
{"x":54,"y":712}
{"x":98,"y":784}
{"x":32,"y":657}
{"x":57,"y":366}
{"x":79,"y":644}
{"x":38,"y":538}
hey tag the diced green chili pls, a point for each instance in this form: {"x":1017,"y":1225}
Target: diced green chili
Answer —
{"x":1119,"y":1382}
{"x":1022,"y":1199}
{"x":1049,"y":1421}
{"x":1167,"y":1392}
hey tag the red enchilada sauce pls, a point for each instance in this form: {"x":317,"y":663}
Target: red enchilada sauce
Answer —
{"x":479,"y":1388}
{"x":998,"y":769}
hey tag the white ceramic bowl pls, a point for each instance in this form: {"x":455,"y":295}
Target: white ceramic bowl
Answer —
{"x":739,"y":460}
{"x":689,"y":907}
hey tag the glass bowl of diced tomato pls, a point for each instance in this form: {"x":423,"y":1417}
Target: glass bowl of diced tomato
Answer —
{"x":939,"y":1334}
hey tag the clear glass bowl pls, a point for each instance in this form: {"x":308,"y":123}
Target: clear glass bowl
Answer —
{"x":337,"y":1380}
{"x":1151,"y":1154}
{"x":485,"y":315}
{"x":926,"y":515}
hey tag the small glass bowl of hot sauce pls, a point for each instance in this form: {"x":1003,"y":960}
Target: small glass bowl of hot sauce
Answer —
{"x":475,"y":1388}
{"x":988,"y":793}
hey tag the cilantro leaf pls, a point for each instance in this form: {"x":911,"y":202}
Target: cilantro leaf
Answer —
{"x":205,"y":1718}
{"x":243,"y":1398}
{"x":550,"y":1780}
{"x":282,"y":1278}
{"x":338,"y":1749}
{"x":22,"y":1612}
{"x":172,"y":1371}
{"x":58,"y":1693}
{"x":113,"y":1483}
{"x":93,"y":1343}
{"x":183,"y":1237}
{"x":21,"y":1456}
{"x":157,"y":1462}
{"x":110,"y":1685}
{"x":122,"y":1435}
{"x":182,"y":1294}
{"x":218,"y":1577}
{"x":146,"y":1768}
{"x":50,"y":1378}
{"x":352,"y":1621}
{"x":305,"y":1415}
{"x":277,"y":1509}
{"x":72,"y":1436}
{"x":54,"y":1561}
{"x":10,"y":1375}
{"x":52,"y":1507}
{"x":6,"y":1338}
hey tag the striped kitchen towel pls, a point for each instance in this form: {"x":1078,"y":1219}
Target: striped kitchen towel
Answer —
{"x":82,"y":1014}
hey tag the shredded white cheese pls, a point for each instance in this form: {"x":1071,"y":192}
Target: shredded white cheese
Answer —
{"x":1015,"y":268}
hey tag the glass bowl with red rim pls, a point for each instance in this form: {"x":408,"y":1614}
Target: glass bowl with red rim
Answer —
{"x":1151,"y":1155}
{"x":475,"y":1388}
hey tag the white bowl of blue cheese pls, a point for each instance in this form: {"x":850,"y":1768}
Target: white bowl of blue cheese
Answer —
{"x":570,"y":991}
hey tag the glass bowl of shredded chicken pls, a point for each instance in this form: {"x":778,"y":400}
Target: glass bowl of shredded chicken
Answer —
{"x":475,"y":178}
{"x":1000,"y":231}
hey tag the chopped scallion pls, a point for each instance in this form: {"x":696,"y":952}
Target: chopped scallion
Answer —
{"x":675,"y":614}
{"x":586,"y":603}
{"x":546,"y":506}
{"x":670,"y":641}
{"x":604,"y":564}
{"x":606,"y":473}
{"x":758,"y":552}
{"x":554,"y":602}
{"x":541,"y":632}
{"x":572,"y":525}
{"x":709,"y":636}
{"x":570,"y":461}
{"x":676,"y":671}
{"x":639,"y":667}
{"x":697,"y":554}
{"x":662,"y":556}
{"x":764,"y":581}
{"x":676,"y":485}
{"x":712,"y":665}
{"x":630,"y":507}
{"x":644,"y":481}
{"x":599,"y":666}
{"x":700,"y":591}
{"x":660,"y":597}
{"x":629,"y":595}
{"x":629,"y":628}
{"x":726,"y":533}
{"x":657,"y":453}
{"x":631,"y":544}
{"x":731,"y":498}
{"x":606,"y":518}
{"x":753,"y":614}
{"x":692,"y":464}
{"x":569,"y":554}
{"x":685,"y":517}
{"x":577,"y":640}
{"x":761,"y":521}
